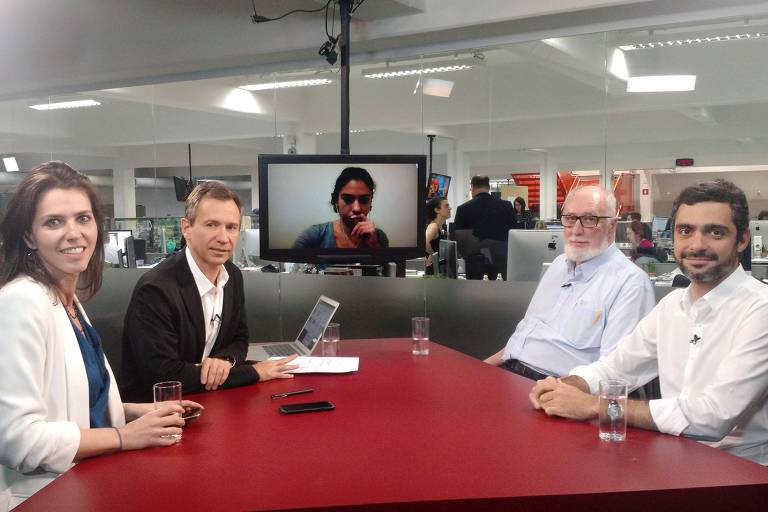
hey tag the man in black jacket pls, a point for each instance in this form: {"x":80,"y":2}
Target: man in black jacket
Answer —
{"x":490,"y":220}
{"x":186,"y":319}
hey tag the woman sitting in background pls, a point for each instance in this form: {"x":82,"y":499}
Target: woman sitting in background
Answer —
{"x":643,"y":249}
{"x":59,"y":402}
{"x":438,"y":211}
{"x":524,"y":217}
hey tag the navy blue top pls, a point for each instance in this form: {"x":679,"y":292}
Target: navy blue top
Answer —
{"x":96,"y":371}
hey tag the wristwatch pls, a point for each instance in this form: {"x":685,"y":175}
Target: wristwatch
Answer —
{"x":231,"y":359}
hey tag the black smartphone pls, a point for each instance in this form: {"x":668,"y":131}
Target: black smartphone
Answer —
{"x":306,"y":407}
{"x":191,"y":413}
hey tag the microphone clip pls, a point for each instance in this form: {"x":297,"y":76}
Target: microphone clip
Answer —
{"x":696,"y":338}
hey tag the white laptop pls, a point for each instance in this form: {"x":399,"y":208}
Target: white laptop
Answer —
{"x":307,"y":340}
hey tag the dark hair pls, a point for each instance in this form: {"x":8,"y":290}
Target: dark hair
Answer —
{"x":347,"y":175}
{"x":637,"y":228}
{"x":16,"y":257}
{"x":718,"y":191}
{"x":432,"y":205}
{"x":212,"y":189}
{"x":519,"y":200}
{"x":634,"y":216}
{"x":763,"y":215}
{"x":480,"y":182}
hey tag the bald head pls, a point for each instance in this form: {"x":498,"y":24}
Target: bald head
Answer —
{"x":602,"y":201}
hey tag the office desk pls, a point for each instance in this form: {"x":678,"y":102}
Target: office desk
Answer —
{"x":442,"y":432}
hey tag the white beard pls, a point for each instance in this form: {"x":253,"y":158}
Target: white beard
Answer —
{"x":578,"y":256}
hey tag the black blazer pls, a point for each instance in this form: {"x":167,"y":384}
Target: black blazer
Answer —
{"x":164,"y":331}
{"x":487,"y":217}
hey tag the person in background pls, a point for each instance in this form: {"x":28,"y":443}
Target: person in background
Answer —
{"x":763,"y":215}
{"x":587,"y":300}
{"x":635,"y":216}
{"x":352,"y":199}
{"x":643,"y":251}
{"x":707,"y":343}
{"x":186,"y":320}
{"x":438,"y":211}
{"x":540,"y":224}
{"x":524,"y":217}
{"x":490,"y":220}
{"x":59,"y":402}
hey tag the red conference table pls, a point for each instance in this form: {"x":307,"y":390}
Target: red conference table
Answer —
{"x":442,"y":432}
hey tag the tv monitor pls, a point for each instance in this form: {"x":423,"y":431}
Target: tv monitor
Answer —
{"x":298,"y":222}
{"x":758,"y":228}
{"x":116,"y":238}
{"x":182,"y":187}
{"x":528,"y":250}
{"x":437,"y":185}
{"x":659,"y":224}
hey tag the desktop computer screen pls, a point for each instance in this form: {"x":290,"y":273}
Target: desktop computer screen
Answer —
{"x":528,"y":250}
{"x":659,"y":224}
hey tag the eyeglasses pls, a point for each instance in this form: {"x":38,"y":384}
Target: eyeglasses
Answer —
{"x":351,"y":198}
{"x":587,"y":221}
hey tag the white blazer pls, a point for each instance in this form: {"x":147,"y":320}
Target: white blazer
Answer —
{"x":43,"y":390}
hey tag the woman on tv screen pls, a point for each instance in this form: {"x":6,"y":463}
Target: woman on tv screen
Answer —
{"x":352,"y":199}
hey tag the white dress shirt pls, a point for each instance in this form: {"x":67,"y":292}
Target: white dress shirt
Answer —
{"x":711,"y":357}
{"x":579,"y":313}
{"x":212,"y":298}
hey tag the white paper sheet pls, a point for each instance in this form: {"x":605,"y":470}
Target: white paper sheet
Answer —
{"x":309,"y":364}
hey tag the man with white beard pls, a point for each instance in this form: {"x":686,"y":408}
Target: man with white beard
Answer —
{"x":588,"y":299}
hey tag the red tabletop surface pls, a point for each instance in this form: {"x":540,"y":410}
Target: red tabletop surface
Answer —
{"x":441,"y":432}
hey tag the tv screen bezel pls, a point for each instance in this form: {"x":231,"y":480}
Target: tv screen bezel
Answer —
{"x":429,"y":179}
{"x":335,"y":255}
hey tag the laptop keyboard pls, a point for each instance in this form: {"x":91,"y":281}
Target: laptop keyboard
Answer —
{"x":279,"y":350}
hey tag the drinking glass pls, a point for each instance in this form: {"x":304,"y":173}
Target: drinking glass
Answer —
{"x":166,"y":393}
{"x":330,"y":341}
{"x":420,"y":335}
{"x":612,"y":410}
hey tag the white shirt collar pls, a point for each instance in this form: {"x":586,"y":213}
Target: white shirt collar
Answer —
{"x":203,"y":284}
{"x":713,"y":298}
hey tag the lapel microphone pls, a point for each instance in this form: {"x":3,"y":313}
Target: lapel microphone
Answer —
{"x":696,"y":338}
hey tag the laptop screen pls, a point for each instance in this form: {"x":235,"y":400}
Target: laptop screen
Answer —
{"x":315,"y":325}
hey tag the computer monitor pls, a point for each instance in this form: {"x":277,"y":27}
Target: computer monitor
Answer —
{"x":659,"y":224}
{"x":116,"y":238}
{"x":447,"y":264}
{"x":528,"y":250}
{"x":466,"y":242}
{"x":130,"y":253}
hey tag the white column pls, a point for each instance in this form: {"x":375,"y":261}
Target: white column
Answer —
{"x":458,"y":168}
{"x":306,"y":143}
{"x":124,"y":189}
{"x":255,"y":190}
{"x":548,"y":189}
{"x":646,"y":201}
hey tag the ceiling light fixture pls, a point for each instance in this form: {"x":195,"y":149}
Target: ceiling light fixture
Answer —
{"x":284,"y":85}
{"x":66,"y":104}
{"x":691,"y":41}
{"x":11,"y":165}
{"x":661,"y":83}
{"x":416,"y":69}
{"x":439,"y":88}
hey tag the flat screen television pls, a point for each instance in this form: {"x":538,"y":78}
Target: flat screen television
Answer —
{"x":437,"y":185}
{"x":298,"y":221}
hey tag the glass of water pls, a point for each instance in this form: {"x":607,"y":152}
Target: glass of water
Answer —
{"x":420,"y":335}
{"x":612,"y":410}
{"x":165,"y":393}
{"x":330,"y":341}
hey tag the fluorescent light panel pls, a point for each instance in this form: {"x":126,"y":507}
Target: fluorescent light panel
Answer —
{"x":66,"y":104}
{"x":439,"y":88}
{"x":416,"y":69}
{"x":11,"y":165}
{"x":661,"y":83}
{"x":283,"y":85}
{"x":691,"y":41}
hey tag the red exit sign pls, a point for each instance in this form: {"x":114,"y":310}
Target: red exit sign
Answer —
{"x":684,"y":162}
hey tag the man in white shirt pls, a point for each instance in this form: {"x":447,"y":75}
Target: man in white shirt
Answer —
{"x":708,"y":343}
{"x":186,"y":320}
{"x":589,"y":298}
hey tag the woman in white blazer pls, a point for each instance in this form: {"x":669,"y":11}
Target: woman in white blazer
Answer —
{"x":59,"y":401}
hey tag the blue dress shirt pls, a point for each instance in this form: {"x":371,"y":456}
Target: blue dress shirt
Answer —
{"x":579,"y":313}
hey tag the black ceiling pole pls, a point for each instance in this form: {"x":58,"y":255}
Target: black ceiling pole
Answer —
{"x":189,"y":159}
{"x":431,"y":138}
{"x":345,"y":8}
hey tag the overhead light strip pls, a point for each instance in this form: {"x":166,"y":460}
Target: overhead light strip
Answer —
{"x":283,"y":85}
{"x":662,"y":83}
{"x":416,"y":69}
{"x":66,"y":104}
{"x":691,"y":41}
